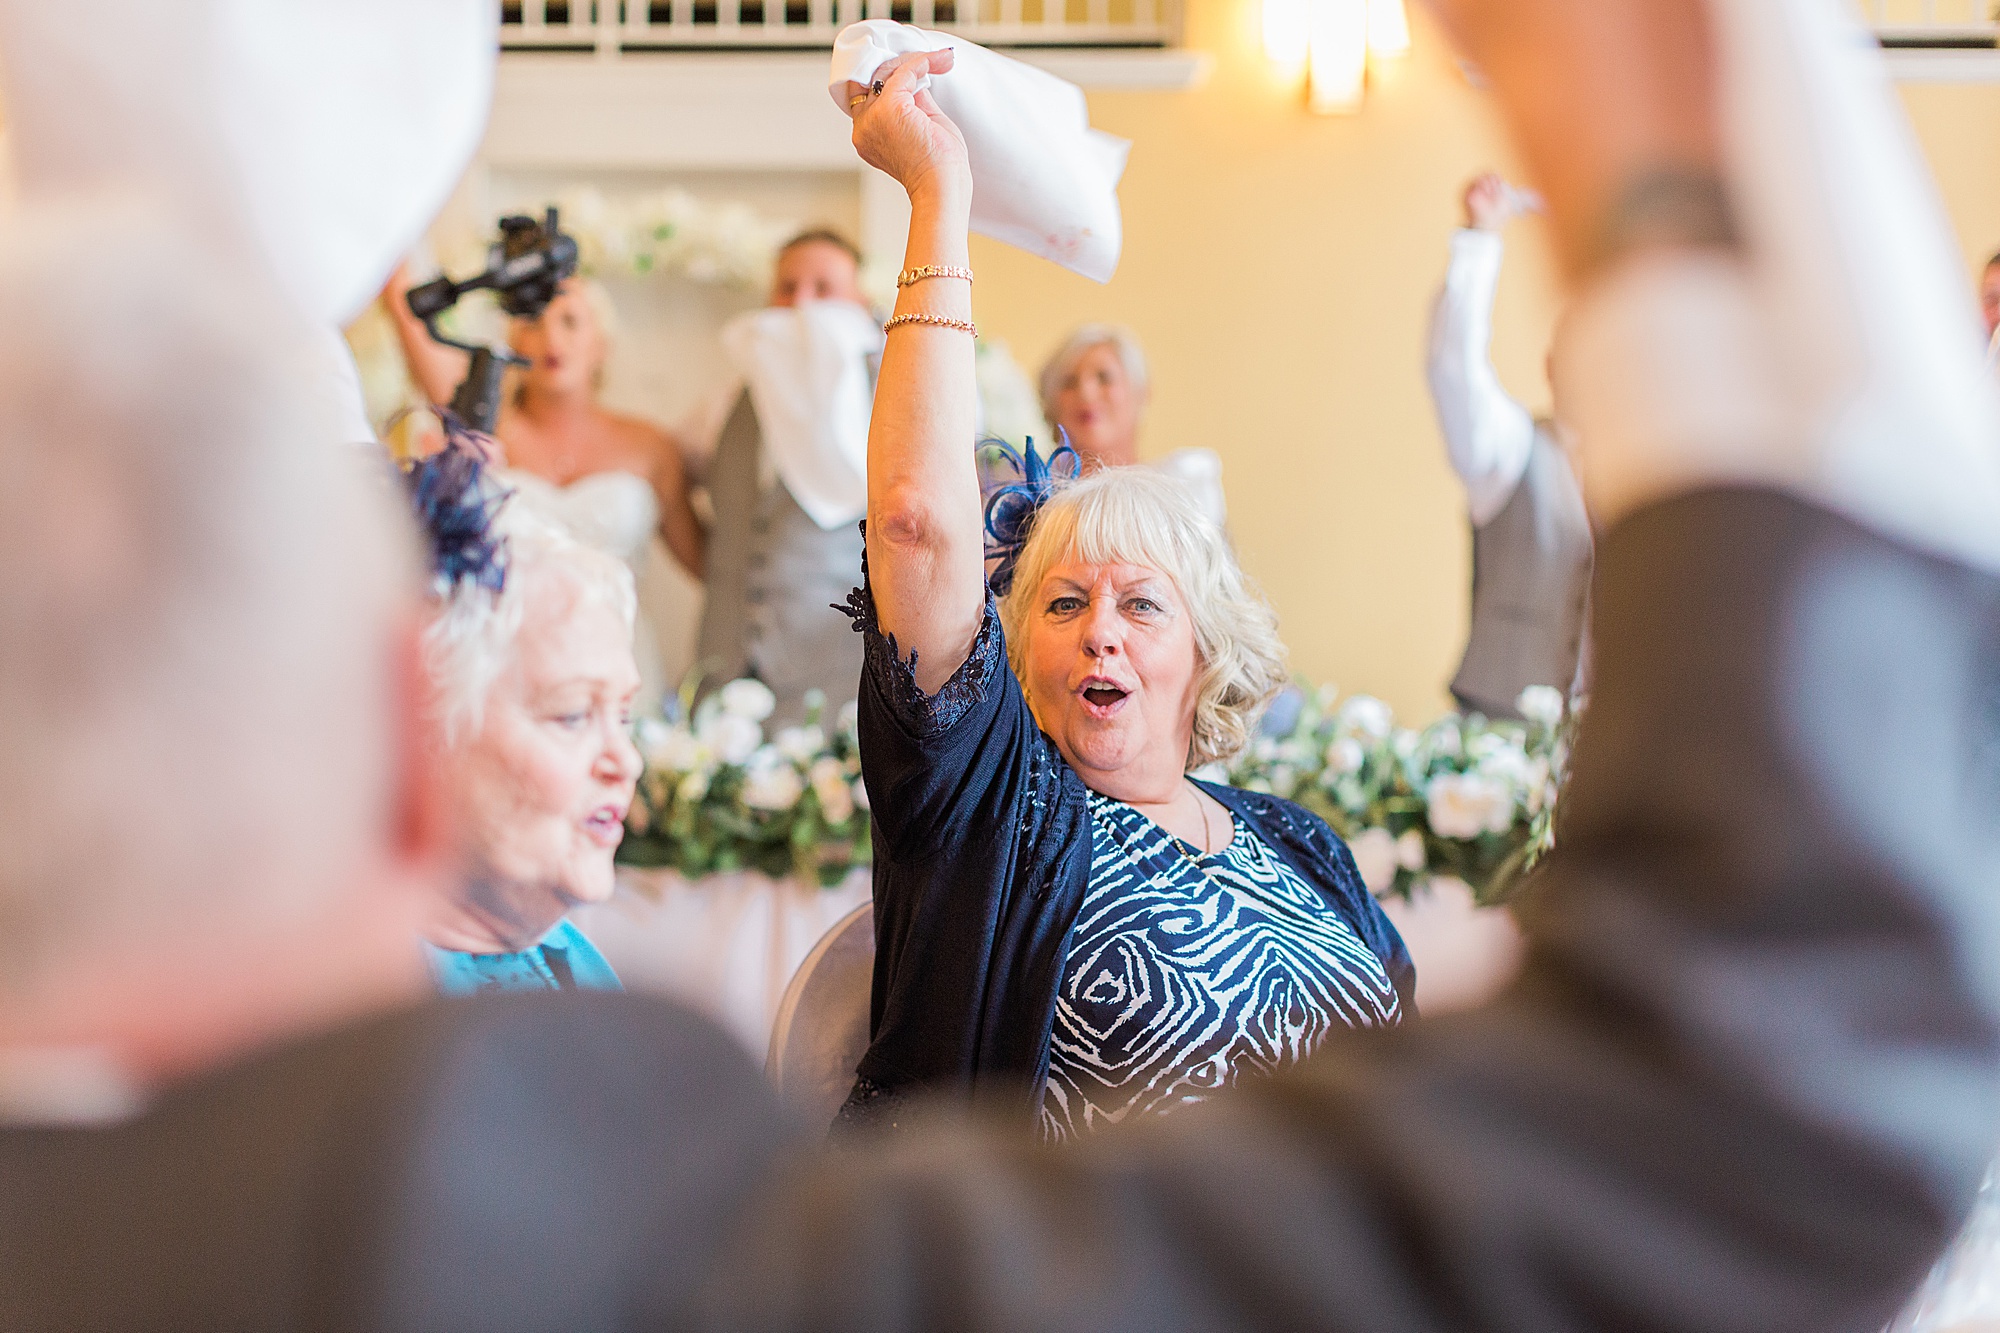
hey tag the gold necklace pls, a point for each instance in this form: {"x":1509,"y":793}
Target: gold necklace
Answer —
{"x":1180,"y":845}
{"x":1207,"y":834}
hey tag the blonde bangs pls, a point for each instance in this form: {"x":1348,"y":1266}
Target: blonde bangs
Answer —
{"x":1138,"y":516}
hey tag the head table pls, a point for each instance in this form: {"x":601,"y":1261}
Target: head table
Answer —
{"x":728,"y":944}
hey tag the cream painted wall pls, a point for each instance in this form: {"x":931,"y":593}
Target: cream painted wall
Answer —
{"x":1959,"y":126}
{"x":1279,"y":268}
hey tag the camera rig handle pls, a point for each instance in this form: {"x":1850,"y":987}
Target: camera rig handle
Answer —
{"x":524,"y":269}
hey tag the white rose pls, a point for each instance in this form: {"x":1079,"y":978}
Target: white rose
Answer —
{"x":1296,"y":751}
{"x":748,"y":698}
{"x":1485,"y":743}
{"x":1465,"y":805}
{"x":801,"y":745}
{"x":675,"y":750}
{"x":1510,"y":765}
{"x":1345,"y":756}
{"x":1365,"y":715}
{"x":1375,"y":857}
{"x":829,"y":783}
{"x":734,"y":738}
{"x":773,"y":786}
{"x":649,"y":733}
{"x":1541,"y":705}
{"x":1410,"y":852}
{"x":850,"y":716}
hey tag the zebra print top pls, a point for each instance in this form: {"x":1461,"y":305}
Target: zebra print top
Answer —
{"x":1180,"y":980}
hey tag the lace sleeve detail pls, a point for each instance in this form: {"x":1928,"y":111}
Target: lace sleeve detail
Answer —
{"x":869,"y":1109}
{"x":921,"y":714}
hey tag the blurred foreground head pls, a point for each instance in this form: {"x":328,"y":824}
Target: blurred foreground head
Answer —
{"x":215,"y":821}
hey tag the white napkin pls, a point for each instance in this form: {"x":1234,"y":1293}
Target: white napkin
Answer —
{"x":321,"y":135}
{"x":1043,"y":180}
{"x":807,"y":370}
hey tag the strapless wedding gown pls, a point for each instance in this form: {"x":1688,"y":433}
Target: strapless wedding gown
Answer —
{"x":618,"y":513}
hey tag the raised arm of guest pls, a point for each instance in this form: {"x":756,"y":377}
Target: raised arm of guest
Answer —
{"x":926,"y":553}
{"x":437,"y":369}
{"x":1487,"y":435}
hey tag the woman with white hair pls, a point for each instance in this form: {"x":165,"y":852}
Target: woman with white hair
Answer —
{"x":1094,"y":390}
{"x":530,"y":654}
{"x":1094,"y":394}
{"x":1065,"y":919}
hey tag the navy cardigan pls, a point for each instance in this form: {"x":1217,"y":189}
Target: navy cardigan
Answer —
{"x":982,"y":854}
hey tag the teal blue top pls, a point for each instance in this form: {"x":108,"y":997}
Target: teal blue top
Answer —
{"x":564,"y":960}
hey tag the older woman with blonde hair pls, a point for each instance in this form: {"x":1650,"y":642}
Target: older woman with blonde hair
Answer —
{"x":530,"y":657}
{"x":1065,"y":919}
{"x":1095,"y":388}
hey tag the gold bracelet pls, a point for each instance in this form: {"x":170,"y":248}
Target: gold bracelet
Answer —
{"x":910,"y":277}
{"x":939,"y":321}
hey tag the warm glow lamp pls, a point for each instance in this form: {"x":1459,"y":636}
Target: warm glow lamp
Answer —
{"x":1388,"y":28}
{"x":1335,"y":40}
{"x":1287,"y":31}
{"x":1337,"y":58}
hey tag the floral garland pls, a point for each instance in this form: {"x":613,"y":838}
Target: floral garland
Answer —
{"x":716,"y":796}
{"x":666,"y":233}
{"x":1465,"y":797}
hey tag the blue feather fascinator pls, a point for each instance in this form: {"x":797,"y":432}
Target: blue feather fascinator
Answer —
{"x":457,"y":498}
{"x":1019,"y":484}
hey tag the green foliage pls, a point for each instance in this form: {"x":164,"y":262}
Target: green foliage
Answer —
{"x":1464,"y":797}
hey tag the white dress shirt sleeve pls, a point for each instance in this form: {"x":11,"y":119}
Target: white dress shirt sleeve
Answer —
{"x":1834,"y":357}
{"x":1487,"y":435}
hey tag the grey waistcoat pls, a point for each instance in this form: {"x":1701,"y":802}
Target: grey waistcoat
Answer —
{"x":773,"y":577}
{"x":1530,"y":589}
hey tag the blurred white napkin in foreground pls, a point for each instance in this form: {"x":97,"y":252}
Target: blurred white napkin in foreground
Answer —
{"x":315,"y":139}
{"x":1043,"y":180}
{"x":322,"y":134}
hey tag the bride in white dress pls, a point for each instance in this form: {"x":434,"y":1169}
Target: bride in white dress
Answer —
{"x":613,"y":479}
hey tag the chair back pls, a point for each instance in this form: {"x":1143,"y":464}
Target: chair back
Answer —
{"x":821,"y":1030}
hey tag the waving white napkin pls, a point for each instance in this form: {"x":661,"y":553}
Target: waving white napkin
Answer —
{"x":323,"y":135}
{"x":807,"y":371}
{"x":1043,"y":180}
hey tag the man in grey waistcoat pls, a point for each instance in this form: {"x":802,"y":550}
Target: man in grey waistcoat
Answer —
{"x":787,"y":482}
{"x":1531,"y":544}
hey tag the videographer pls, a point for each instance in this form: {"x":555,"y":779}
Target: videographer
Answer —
{"x":552,"y":426}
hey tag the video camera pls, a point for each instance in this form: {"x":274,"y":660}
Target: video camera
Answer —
{"x":524,"y":269}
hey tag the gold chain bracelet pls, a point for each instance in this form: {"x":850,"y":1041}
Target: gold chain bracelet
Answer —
{"x":910,"y":277}
{"x":939,"y":321}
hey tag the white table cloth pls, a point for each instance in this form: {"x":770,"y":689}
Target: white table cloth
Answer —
{"x":1464,"y":954}
{"x":725,"y":945}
